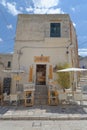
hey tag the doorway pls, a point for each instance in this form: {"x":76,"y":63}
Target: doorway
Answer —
{"x":41,"y":74}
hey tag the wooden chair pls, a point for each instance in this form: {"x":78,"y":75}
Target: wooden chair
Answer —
{"x":62,"y":97}
{"x":78,"y":97}
{"x":14,"y":98}
{"x":6,"y":98}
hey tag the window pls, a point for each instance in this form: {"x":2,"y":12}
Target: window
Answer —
{"x":55,"y":30}
{"x":6,"y":85}
{"x":9,"y":64}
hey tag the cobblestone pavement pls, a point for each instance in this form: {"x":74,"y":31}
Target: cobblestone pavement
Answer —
{"x":43,"y":125}
{"x":60,"y":112}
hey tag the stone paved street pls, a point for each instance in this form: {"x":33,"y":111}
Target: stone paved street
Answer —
{"x":43,"y":125}
{"x":61,"y":117}
{"x":60,"y":112}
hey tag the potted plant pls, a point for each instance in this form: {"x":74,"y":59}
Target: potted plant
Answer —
{"x":64,"y":77}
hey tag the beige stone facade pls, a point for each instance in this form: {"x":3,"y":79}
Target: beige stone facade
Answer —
{"x":37,"y":52}
{"x":5,"y":64}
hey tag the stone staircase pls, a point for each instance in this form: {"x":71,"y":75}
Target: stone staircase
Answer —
{"x":83,"y":80}
{"x":40,"y":95}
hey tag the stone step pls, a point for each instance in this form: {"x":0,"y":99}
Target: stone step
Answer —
{"x":40,"y":90}
{"x":82,"y":81}
{"x":39,"y":99}
{"x":40,"y":102}
{"x":40,"y":95}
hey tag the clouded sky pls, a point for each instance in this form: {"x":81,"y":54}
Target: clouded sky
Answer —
{"x":9,"y":9}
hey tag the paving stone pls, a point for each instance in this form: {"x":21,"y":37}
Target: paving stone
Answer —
{"x":45,"y":112}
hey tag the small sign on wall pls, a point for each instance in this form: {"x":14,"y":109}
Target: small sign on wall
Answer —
{"x":29,"y":87}
{"x":17,"y":77}
{"x":41,"y":59}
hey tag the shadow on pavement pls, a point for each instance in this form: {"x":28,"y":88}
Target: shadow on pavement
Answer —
{"x":60,"y":109}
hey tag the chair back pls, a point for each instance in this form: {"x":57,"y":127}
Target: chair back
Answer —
{"x":62,"y":96}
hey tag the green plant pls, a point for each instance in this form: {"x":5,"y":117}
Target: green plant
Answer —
{"x":63,"y":77}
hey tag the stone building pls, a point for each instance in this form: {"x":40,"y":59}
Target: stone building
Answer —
{"x":83,"y":62}
{"x":42,"y":42}
{"x":5,"y":64}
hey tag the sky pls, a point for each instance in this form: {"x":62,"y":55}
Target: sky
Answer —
{"x":9,"y":10}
